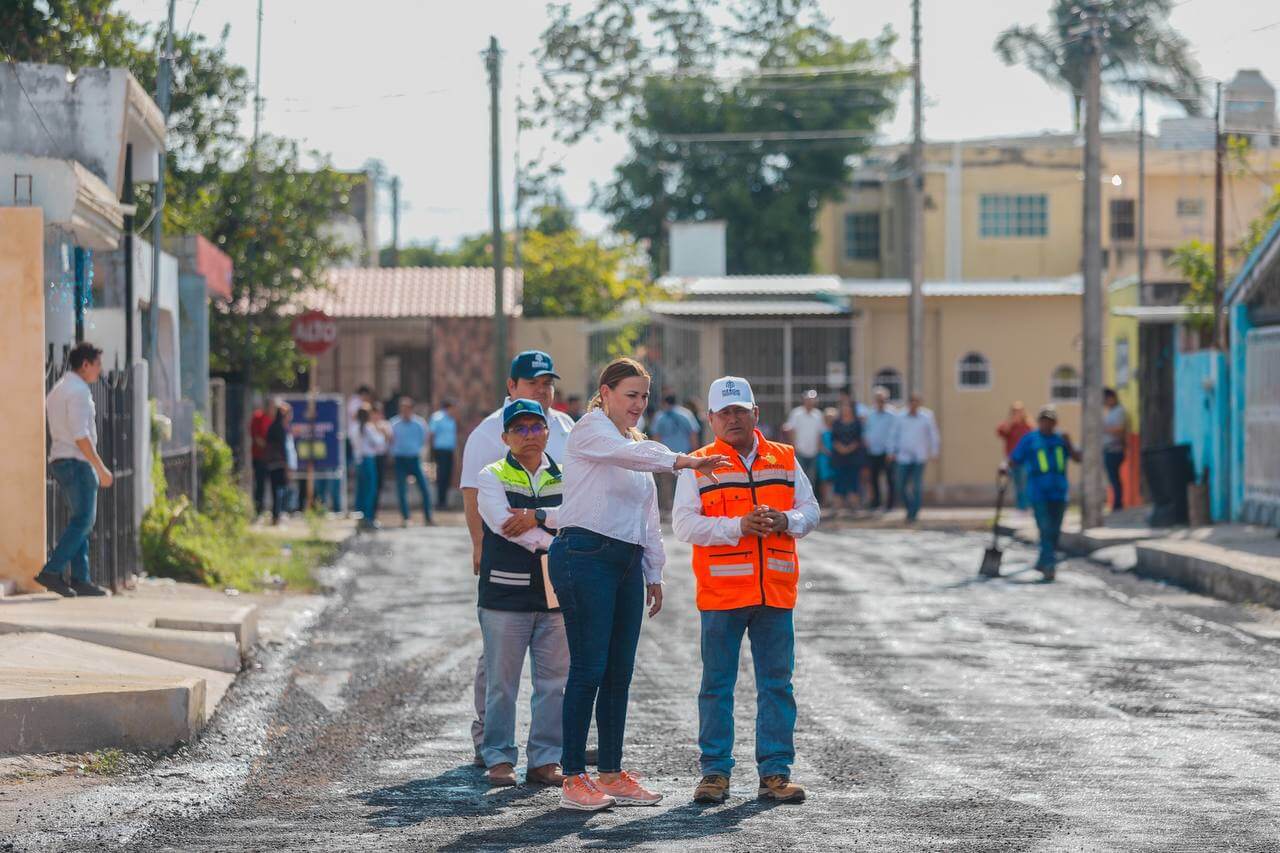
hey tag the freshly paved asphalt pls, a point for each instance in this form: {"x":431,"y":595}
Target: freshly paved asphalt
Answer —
{"x":937,"y":712}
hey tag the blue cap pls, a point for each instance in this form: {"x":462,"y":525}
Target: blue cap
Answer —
{"x":516,"y":408}
{"x":531,"y":364}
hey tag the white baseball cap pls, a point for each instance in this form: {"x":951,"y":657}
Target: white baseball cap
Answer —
{"x":730,"y":391}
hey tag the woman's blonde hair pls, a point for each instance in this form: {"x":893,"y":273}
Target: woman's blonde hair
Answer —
{"x":614,"y":372}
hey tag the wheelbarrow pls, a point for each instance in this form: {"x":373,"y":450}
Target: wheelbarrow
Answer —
{"x":992,"y":556}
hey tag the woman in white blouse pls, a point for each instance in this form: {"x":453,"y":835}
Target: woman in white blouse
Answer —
{"x":607,"y":553}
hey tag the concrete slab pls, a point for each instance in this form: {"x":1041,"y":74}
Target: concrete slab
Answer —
{"x":61,"y":695}
{"x":1232,"y":562}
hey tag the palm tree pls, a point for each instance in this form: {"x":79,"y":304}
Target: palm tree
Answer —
{"x":1140,"y":51}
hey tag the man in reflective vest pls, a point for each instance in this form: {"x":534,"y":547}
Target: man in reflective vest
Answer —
{"x":1043,"y":454}
{"x":743,"y":525}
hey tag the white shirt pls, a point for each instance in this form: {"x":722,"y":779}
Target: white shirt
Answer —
{"x":492,"y":499}
{"x":71,"y":416}
{"x":915,"y":437}
{"x":485,"y":445}
{"x":807,"y":427}
{"x":691,"y":526}
{"x":609,"y":488}
{"x":371,"y":441}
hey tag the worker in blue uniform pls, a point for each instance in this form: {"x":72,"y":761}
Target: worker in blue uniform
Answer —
{"x":1043,"y":454}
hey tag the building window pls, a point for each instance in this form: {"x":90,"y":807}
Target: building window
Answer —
{"x":862,"y":236}
{"x":1014,"y":215}
{"x":1191,"y":207}
{"x":1124,"y":213}
{"x":1122,"y":362}
{"x":973,"y":372}
{"x":1064,"y":385}
{"x":890,"y":380}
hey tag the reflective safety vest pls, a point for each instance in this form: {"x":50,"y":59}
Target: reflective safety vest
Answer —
{"x":755,"y":570}
{"x":1051,"y":460}
{"x":511,"y":575}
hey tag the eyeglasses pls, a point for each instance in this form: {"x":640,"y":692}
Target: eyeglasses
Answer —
{"x":529,"y":430}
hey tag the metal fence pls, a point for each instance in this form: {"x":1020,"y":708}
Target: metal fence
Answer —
{"x":178,"y":451}
{"x":113,"y":546}
{"x":1262,"y":427}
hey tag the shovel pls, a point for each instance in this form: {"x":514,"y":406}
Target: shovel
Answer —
{"x":991,"y":558}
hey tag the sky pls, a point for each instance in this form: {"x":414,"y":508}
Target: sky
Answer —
{"x":403,"y":81}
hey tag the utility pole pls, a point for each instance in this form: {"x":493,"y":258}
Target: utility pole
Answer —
{"x":1093,"y":490}
{"x":1219,"y":154}
{"x":1142,"y":194}
{"x":915,"y":306}
{"x":246,"y":373}
{"x":164,"y":79}
{"x":395,"y":221}
{"x":493,"y":62}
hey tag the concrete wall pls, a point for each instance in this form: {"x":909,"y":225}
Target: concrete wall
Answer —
{"x":565,"y":339}
{"x":193,"y":325}
{"x":22,"y":465}
{"x":1024,"y":340}
{"x":1202,"y":396}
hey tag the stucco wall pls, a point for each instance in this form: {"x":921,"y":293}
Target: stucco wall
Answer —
{"x":565,"y":339}
{"x":22,"y":465}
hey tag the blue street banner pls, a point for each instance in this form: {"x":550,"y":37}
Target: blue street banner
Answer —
{"x":319,"y":440}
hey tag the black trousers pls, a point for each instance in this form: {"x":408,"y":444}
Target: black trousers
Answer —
{"x":444,"y":474}
{"x":879,"y":466}
{"x":261,"y":475}
{"x":279,"y":491}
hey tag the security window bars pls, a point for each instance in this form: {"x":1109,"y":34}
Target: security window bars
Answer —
{"x":862,"y":236}
{"x":1064,"y":385}
{"x":1014,"y":215}
{"x":1123,"y":219}
{"x":891,"y":381}
{"x":973,"y":373}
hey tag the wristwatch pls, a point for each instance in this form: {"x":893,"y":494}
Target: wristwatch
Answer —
{"x":540,"y":516}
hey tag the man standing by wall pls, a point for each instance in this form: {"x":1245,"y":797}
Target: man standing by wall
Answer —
{"x":444,"y":442}
{"x":78,"y":469}
{"x":532,"y":377}
{"x":408,"y":440}
{"x":879,"y":430}
{"x":804,"y":427}
{"x":915,"y":442}
{"x":1044,"y":453}
{"x":743,"y":524}
{"x":675,"y":427}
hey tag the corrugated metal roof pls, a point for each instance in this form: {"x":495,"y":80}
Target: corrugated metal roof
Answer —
{"x":872,"y":288}
{"x":1270,"y":245}
{"x":388,"y":293}
{"x":1160,"y":313}
{"x":748,"y":308}
{"x":752,"y":285}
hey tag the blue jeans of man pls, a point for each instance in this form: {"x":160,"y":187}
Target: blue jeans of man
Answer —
{"x":1049,"y":524}
{"x":367,"y":486}
{"x":78,"y":483}
{"x":600,"y":585}
{"x":406,"y":467}
{"x":911,"y":486}
{"x":508,"y":637}
{"x":772,"y":636}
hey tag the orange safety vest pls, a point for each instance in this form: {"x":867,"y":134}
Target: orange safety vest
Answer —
{"x":754,"y":571}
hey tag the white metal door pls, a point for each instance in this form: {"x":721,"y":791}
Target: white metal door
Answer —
{"x":1262,"y":427}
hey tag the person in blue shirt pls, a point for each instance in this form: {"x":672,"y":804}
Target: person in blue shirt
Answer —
{"x":408,"y":439}
{"x":1043,"y":453}
{"x":444,"y":445}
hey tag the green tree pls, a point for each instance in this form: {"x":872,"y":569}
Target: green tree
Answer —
{"x":1139,"y":50}
{"x":568,"y":274}
{"x":761,"y":149}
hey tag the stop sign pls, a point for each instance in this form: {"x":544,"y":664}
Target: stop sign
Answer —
{"x":314,"y":332}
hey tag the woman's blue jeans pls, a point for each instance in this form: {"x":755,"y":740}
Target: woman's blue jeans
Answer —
{"x":367,"y":486}
{"x":600,"y":584}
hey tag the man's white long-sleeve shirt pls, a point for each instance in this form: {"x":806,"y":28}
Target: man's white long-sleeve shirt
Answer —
{"x":690,"y":525}
{"x":915,"y":437}
{"x":491,"y":498}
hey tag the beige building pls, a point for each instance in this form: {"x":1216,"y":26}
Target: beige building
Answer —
{"x":1010,"y":208}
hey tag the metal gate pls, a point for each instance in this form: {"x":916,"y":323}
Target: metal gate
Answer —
{"x":1262,"y":427}
{"x":669,"y":350}
{"x":113,"y":547}
{"x":784,"y":358}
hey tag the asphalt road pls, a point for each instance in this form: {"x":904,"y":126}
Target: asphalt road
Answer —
{"x":937,"y":712}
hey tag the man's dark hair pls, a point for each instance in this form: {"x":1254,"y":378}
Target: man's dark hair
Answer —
{"x":670,"y":399}
{"x":574,"y":398}
{"x":83,"y":353}
{"x":1109,"y":392}
{"x":364,"y":389}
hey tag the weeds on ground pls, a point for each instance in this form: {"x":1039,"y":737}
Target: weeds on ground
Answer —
{"x":106,"y":762}
{"x":212,"y":543}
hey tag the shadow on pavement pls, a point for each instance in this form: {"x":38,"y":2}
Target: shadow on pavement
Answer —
{"x":683,"y":822}
{"x":460,"y":792}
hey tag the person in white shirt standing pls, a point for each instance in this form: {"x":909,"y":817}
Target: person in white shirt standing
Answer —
{"x":914,"y":442}
{"x":804,"y":427}
{"x":532,"y":377}
{"x":605,"y":561}
{"x":78,"y":470}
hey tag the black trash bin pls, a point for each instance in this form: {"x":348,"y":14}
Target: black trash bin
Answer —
{"x":1168,"y":471}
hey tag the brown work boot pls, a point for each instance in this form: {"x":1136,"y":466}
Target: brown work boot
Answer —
{"x":780,"y":789}
{"x":712,"y":789}
{"x":502,"y":775}
{"x":547,"y":774}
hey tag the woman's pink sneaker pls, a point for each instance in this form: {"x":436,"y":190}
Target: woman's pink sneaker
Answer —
{"x":626,"y":791}
{"x":580,"y":792}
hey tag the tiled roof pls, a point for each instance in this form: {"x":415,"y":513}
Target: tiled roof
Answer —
{"x":389,"y":293}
